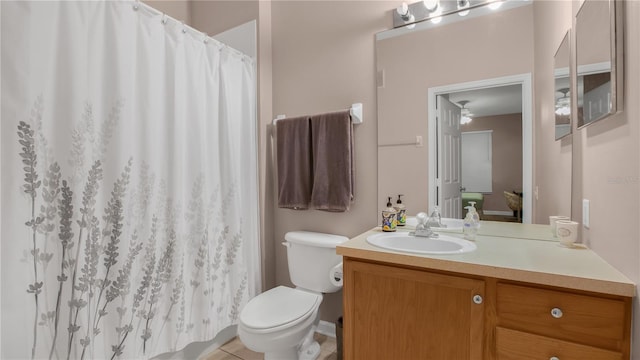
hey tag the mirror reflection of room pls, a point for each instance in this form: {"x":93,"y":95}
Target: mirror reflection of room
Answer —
{"x":562,"y":84}
{"x":410,"y":66}
{"x":596,"y":63}
{"x":491,"y":151}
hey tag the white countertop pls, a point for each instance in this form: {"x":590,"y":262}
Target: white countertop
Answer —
{"x":537,"y":261}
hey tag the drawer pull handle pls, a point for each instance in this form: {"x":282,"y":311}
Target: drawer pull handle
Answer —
{"x":477,"y":299}
{"x":554,"y":358}
{"x":556,"y":313}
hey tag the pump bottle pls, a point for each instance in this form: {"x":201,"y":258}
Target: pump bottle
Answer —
{"x":389,"y":218}
{"x":402,"y":212}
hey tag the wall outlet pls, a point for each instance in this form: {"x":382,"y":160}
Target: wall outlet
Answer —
{"x":585,"y":213}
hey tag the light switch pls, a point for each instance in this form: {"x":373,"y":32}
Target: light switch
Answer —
{"x":585,"y":213}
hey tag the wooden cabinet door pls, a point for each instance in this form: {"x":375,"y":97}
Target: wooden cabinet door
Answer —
{"x":397,"y":313}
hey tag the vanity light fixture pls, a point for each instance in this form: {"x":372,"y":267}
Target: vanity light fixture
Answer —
{"x":563,"y":104}
{"x":465,"y":117}
{"x":462,"y":5}
{"x":429,"y":13}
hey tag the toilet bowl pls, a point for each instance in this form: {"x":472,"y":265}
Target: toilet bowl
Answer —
{"x":281,"y":322}
{"x":278,"y":321}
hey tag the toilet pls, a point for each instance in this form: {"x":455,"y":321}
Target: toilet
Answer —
{"x":281,"y":322}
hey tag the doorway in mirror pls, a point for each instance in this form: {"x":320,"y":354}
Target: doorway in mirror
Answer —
{"x":493,"y":154}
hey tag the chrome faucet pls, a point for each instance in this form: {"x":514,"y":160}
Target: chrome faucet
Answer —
{"x":423,"y":229}
{"x":435,"y":219}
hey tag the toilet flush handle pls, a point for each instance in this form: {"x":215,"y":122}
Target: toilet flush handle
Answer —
{"x":336,"y":275}
{"x":286,"y":244}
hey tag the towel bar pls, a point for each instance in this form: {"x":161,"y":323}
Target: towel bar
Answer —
{"x":355,"y":111}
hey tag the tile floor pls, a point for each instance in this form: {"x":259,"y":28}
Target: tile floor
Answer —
{"x":234,"y":350}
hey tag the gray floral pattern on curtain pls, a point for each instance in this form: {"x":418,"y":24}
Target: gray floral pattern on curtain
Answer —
{"x":124,"y":235}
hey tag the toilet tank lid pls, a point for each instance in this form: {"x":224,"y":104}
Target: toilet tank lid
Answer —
{"x":315,"y":238}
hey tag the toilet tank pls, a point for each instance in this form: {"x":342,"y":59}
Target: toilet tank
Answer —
{"x":311,"y":257}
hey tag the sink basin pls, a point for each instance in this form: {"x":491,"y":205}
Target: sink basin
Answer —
{"x":451,"y":224}
{"x":402,"y":241}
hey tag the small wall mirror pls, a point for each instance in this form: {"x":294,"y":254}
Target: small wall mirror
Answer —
{"x":598,"y":60}
{"x":563,"y":88}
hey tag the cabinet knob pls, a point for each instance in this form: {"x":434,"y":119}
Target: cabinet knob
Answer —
{"x":556,"y":313}
{"x":477,"y":299}
{"x":554,"y":358}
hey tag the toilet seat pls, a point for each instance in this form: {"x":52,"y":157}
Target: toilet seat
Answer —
{"x":279,"y":308}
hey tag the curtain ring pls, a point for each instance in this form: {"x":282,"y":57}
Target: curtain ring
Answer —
{"x":184,"y":28}
{"x":206,"y":38}
{"x":164,"y":19}
{"x":136,"y":5}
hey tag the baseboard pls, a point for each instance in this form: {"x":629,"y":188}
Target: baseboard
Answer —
{"x":497,"y":212}
{"x":326,"y":328}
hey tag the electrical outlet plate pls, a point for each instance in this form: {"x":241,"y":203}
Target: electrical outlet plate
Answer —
{"x":585,"y":213}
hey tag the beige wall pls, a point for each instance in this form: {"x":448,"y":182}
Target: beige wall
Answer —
{"x":475,"y":49}
{"x":606,"y":171}
{"x":177,"y":9}
{"x":323,"y":60}
{"x":605,"y":155}
{"x":216,"y":16}
{"x":506,"y":151}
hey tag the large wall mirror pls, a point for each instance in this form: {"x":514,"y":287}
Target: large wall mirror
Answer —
{"x":599,"y":60}
{"x":495,"y":66}
{"x":562,"y":84}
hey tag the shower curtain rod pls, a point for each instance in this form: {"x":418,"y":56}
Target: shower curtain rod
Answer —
{"x":137,"y":4}
{"x":355,"y":111}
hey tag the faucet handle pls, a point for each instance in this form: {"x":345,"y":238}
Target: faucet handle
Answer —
{"x":422,"y":219}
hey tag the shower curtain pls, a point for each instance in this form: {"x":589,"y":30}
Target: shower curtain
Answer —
{"x":129,"y":182}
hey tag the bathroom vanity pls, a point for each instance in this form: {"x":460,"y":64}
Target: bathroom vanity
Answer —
{"x":511,"y":298}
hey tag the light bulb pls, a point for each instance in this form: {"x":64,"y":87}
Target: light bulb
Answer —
{"x":495,"y":4}
{"x":411,"y":21}
{"x":431,"y":5}
{"x":463,"y":4}
{"x":437,"y":17}
{"x":403,"y":9}
{"x":563,"y":111}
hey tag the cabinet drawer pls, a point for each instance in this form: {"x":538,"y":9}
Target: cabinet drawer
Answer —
{"x":518,"y":345}
{"x":583,"y":319}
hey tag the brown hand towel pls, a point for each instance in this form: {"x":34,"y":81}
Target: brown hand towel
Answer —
{"x":332,"y":151}
{"x":294,"y":162}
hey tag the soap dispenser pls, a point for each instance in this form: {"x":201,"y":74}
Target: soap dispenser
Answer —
{"x":402,"y":212}
{"x":471,"y":222}
{"x":389,"y":218}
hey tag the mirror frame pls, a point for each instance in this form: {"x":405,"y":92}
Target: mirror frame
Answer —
{"x":558,"y":73}
{"x":616,"y":55}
